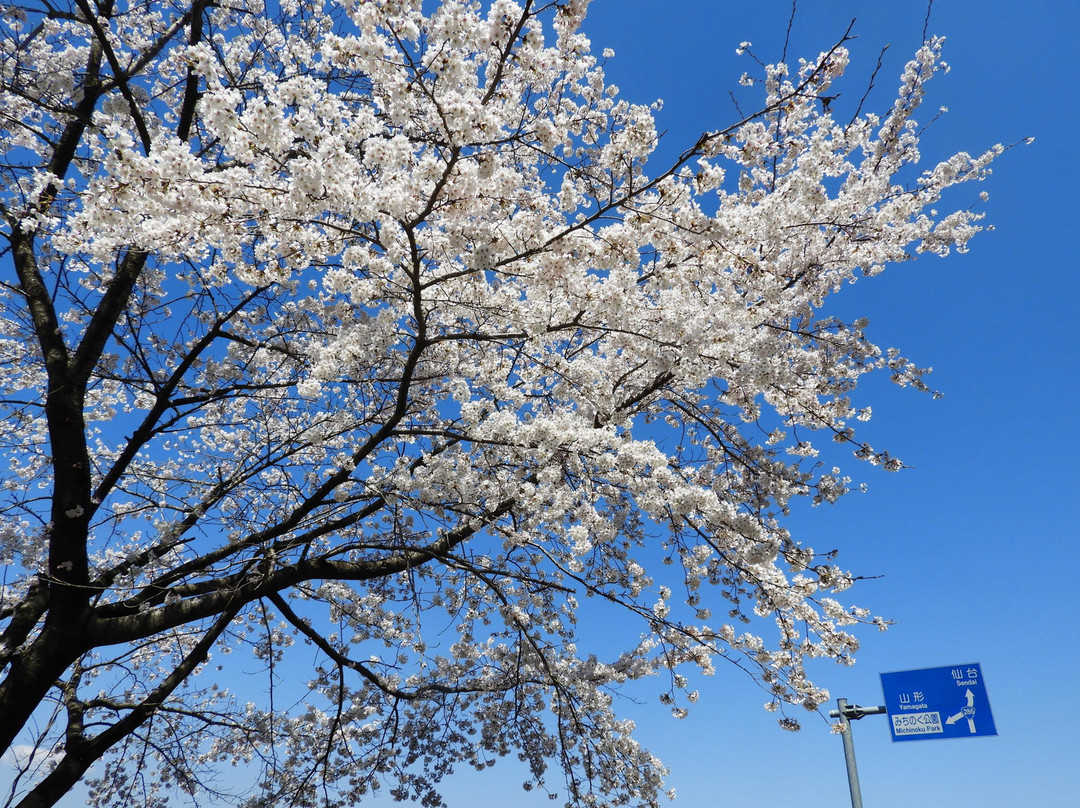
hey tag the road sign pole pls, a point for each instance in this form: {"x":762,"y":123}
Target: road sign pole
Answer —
{"x":846,"y":713}
{"x":849,"y":755}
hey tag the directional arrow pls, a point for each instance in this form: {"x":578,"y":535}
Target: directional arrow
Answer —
{"x":967,"y":712}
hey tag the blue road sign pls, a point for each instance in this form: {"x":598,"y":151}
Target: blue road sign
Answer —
{"x":935,"y":703}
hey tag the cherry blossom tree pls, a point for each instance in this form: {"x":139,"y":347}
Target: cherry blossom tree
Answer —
{"x":356,"y":358}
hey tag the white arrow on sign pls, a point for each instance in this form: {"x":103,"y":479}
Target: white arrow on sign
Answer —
{"x":968,"y":712}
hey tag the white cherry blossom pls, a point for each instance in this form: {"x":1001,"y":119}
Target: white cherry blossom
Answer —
{"x":365,"y":344}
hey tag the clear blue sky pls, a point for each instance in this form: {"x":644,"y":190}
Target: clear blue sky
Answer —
{"x":977,"y":542}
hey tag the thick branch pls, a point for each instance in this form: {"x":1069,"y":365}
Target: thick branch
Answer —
{"x":120,"y":76}
{"x":107,"y":313}
{"x":191,"y":85}
{"x":24,"y":617}
{"x":254,"y":583}
{"x":81,"y":754}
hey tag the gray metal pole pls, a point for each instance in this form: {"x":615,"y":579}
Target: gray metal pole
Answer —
{"x":848,"y":713}
{"x":849,"y":754}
